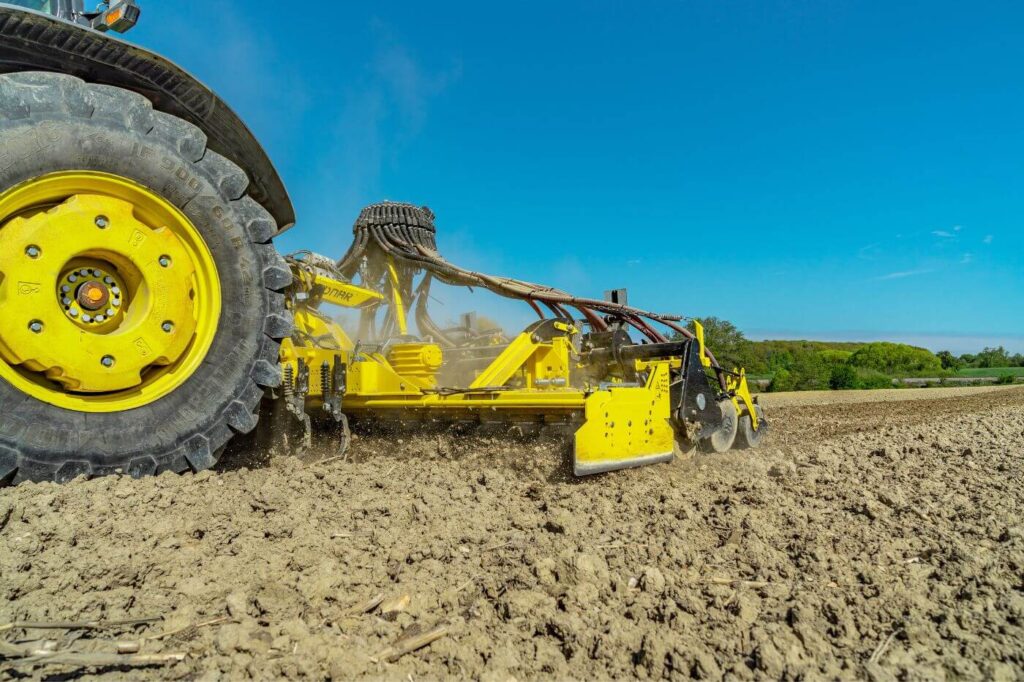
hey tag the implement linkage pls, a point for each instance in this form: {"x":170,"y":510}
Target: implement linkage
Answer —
{"x":408,"y":235}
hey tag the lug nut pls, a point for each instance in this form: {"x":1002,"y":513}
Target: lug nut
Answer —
{"x":116,"y":291}
{"x":108,"y":280}
{"x":33,"y":251}
{"x":65,"y":288}
{"x":84,"y":272}
{"x":72,"y":278}
{"x":36,"y":326}
{"x":66,"y":300}
{"x":167,"y":327}
{"x":110,"y":312}
{"x":107,"y":361}
{"x":165,"y":261}
{"x":99,"y":318}
{"x":102,"y":222}
{"x":86,"y":317}
{"x":73,"y":313}
{"x":116,"y":301}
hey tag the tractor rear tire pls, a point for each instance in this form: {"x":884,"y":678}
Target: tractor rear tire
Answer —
{"x":54,"y":123}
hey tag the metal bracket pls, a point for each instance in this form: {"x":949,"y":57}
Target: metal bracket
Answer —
{"x":334,"y":382}
{"x":698,"y":400}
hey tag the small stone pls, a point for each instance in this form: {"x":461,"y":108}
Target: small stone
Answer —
{"x":390,"y":608}
{"x":705,"y":667}
{"x":653,"y":580}
{"x":892,"y":498}
{"x":782,"y":469}
{"x":238,"y":604}
{"x":768,"y":659}
{"x":558,"y":520}
{"x":877,"y":673}
{"x":545,"y":570}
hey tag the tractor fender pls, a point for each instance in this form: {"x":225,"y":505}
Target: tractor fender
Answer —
{"x":31,"y":41}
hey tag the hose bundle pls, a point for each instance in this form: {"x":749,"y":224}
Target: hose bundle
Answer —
{"x":407,"y":234}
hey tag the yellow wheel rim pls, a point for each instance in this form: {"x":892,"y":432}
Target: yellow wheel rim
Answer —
{"x":109,"y":296}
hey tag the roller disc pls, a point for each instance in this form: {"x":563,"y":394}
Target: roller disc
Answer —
{"x":746,"y":436}
{"x":724,"y":437}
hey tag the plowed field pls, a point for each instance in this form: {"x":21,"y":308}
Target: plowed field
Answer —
{"x":877,"y":535}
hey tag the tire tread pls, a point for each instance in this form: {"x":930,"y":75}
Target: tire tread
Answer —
{"x":34,"y":95}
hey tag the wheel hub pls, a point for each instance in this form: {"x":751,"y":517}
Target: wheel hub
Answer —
{"x":93,"y":295}
{"x":126,"y":296}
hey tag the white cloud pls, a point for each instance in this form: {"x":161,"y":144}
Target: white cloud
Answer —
{"x":943,"y":234}
{"x":987,"y":239}
{"x":957,"y":228}
{"x":966,"y":258}
{"x":904,"y":273}
{"x":870,"y":252}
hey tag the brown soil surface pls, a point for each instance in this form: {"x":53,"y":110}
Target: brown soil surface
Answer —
{"x":880,"y":540}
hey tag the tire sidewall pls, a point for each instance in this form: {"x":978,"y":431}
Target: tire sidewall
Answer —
{"x":156,"y":435}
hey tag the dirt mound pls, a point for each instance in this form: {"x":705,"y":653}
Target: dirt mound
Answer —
{"x":864,"y":540}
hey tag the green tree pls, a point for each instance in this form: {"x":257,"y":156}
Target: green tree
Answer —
{"x":782,"y":380}
{"x":810,"y":373}
{"x":835,"y":357}
{"x":993,"y":357}
{"x":730,"y":347}
{"x":896,"y":359}
{"x":779,"y":359}
{"x":872,"y":378}
{"x":842,"y":376}
{"x":949,"y":361}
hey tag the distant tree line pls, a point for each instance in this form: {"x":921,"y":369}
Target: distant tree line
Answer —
{"x":986,"y":359}
{"x":819,"y":365}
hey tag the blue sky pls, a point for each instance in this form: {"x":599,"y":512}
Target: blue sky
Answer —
{"x":846,"y":170}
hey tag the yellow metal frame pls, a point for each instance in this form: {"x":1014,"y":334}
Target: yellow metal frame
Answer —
{"x":168,"y":269}
{"x":335,"y":291}
{"x":397,"y":305}
{"x":735,"y":383}
{"x":741,"y":397}
{"x":627,"y":426}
